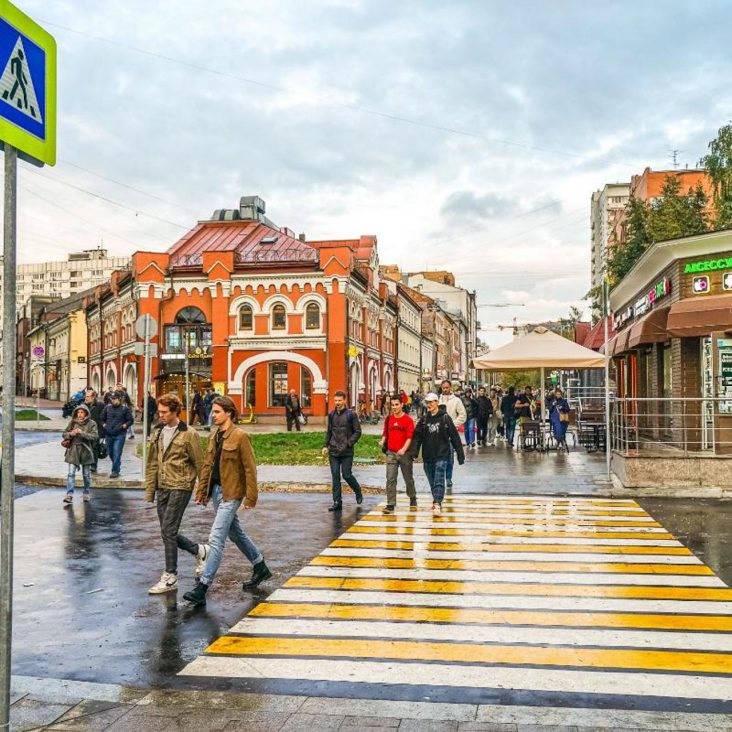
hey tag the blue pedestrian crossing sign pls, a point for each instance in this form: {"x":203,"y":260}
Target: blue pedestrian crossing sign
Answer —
{"x":27,"y":86}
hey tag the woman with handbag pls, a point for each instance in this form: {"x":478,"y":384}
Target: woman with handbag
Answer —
{"x":559,"y":418}
{"x":80,"y":439}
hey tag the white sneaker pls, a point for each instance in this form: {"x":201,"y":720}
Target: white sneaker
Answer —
{"x":201,"y":557}
{"x":436,"y":509}
{"x":168,"y":582}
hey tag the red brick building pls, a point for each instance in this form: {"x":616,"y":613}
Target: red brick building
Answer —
{"x":256,"y":311}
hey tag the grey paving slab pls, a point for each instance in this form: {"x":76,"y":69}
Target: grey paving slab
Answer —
{"x":428,"y":725}
{"x":486,"y":727}
{"x":309,"y":722}
{"x":91,"y":716}
{"x":264,"y":703}
{"x":545,"y":728}
{"x":72,"y":692}
{"x":385,"y":708}
{"x":28,"y":714}
{"x":362,"y":722}
{"x":143,"y":723}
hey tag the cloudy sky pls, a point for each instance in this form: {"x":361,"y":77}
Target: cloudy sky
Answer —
{"x":467,"y":135}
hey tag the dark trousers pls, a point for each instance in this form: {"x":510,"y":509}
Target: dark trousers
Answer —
{"x":510,"y":425}
{"x":342,"y":465}
{"x":293,"y":418}
{"x":171,"y":507}
{"x":483,"y":428}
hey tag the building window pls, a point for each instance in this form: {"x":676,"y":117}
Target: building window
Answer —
{"x":312,"y":316}
{"x":173,"y":341}
{"x":277,"y":384}
{"x":246,"y":317}
{"x":190,"y":316}
{"x":279,"y":317}
{"x":250,"y":388}
{"x":306,"y":387}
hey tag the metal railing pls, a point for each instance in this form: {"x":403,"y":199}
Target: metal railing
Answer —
{"x":682,"y":426}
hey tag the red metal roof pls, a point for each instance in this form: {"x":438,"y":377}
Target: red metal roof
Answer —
{"x":596,"y":337}
{"x":242,"y":237}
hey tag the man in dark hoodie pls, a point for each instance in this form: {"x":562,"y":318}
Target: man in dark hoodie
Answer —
{"x":344,"y":431}
{"x":116,"y":419}
{"x":485,"y":412}
{"x":436,"y":434}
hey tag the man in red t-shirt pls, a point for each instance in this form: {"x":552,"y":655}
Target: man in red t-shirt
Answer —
{"x":395,"y":442}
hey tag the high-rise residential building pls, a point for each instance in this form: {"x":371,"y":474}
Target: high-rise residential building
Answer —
{"x":80,"y":271}
{"x":607,"y":208}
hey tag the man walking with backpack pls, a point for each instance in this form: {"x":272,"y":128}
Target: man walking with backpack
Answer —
{"x":452,"y":406}
{"x":438,"y":437}
{"x":173,"y":464}
{"x":395,"y":442}
{"x":344,"y":431}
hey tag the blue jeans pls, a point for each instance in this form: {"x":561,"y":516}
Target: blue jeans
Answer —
{"x":115,"y":445}
{"x":435,"y":473}
{"x":342,"y":464}
{"x":71,"y":478}
{"x":510,"y":426}
{"x":226,"y":523}
{"x":449,"y":465}
{"x":470,"y":431}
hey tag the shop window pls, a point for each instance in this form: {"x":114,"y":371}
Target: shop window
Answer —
{"x":246,"y":317}
{"x":312,"y":316}
{"x":279,"y":317}
{"x":306,"y":387}
{"x":250,"y":388}
{"x":277,"y":384}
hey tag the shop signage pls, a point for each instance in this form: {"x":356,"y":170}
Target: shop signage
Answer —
{"x":641,"y":306}
{"x":700,"y":285}
{"x":708,"y":265}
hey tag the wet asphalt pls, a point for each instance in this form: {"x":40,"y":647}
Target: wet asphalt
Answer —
{"x":81,"y":608}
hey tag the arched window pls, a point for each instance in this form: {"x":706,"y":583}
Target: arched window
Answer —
{"x":190,"y":316}
{"x":246,"y":317}
{"x":312,"y":316}
{"x":279,"y":317}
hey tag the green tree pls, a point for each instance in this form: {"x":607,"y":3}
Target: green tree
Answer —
{"x":637,"y":223}
{"x":519,"y":379}
{"x":675,"y":214}
{"x":718,"y":163}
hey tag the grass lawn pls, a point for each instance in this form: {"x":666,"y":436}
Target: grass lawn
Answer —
{"x":29,"y":415}
{"x":300,"y":448}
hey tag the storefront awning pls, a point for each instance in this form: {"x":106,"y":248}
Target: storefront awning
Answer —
{"x":650,"y":329}
{"x":700,"y":316}
{"x":620,"y":343}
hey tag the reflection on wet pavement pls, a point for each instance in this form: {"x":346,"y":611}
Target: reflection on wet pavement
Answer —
{"x":81,"y":608}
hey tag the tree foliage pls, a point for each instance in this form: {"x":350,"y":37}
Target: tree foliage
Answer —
{"x":718,"y":163}
{"x":672,"y":215}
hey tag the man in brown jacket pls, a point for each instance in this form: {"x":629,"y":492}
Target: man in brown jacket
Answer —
{"x":228,"y":478}
{"x":173,"y":463}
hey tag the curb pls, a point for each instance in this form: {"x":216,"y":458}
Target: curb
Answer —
{"x":263,"y":487}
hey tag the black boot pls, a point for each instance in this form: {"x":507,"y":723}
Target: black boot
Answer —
{"x":359,"y":498}
{"x":260,"y":573}
{"x":336,"y":507}
{"x":197,"y":596}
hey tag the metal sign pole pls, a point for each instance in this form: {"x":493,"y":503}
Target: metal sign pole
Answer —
{"x":145,"y":389}
{"x":7,"y":477}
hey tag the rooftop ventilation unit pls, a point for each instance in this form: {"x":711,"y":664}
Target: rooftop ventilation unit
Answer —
{"x":252,"y":208}
{"x":226,"y":214}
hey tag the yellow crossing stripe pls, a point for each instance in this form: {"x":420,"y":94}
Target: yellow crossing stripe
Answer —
{"x":524,"y":548}
{"x":489,"y":511}
{"x":438,"y":531}
{"x":692,"y":661}
{"x":529,"y":502}
{"x":495,"y":617}
{"x":478,"y":565}
{"x":512,"y":522}
{"x":624,"y":592}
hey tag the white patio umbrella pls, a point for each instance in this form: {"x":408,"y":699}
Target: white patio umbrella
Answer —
{"x":542,"y":349}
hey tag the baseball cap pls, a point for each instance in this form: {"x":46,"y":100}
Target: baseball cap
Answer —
{"x":432,"y":397}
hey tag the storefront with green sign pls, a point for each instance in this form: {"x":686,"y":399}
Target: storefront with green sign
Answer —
{"x":673,"y":347}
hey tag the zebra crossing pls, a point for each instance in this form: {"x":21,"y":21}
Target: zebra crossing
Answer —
{"x":501,"y":599}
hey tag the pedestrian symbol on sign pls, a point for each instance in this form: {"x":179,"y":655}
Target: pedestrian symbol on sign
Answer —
{"x":16,"y":84}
